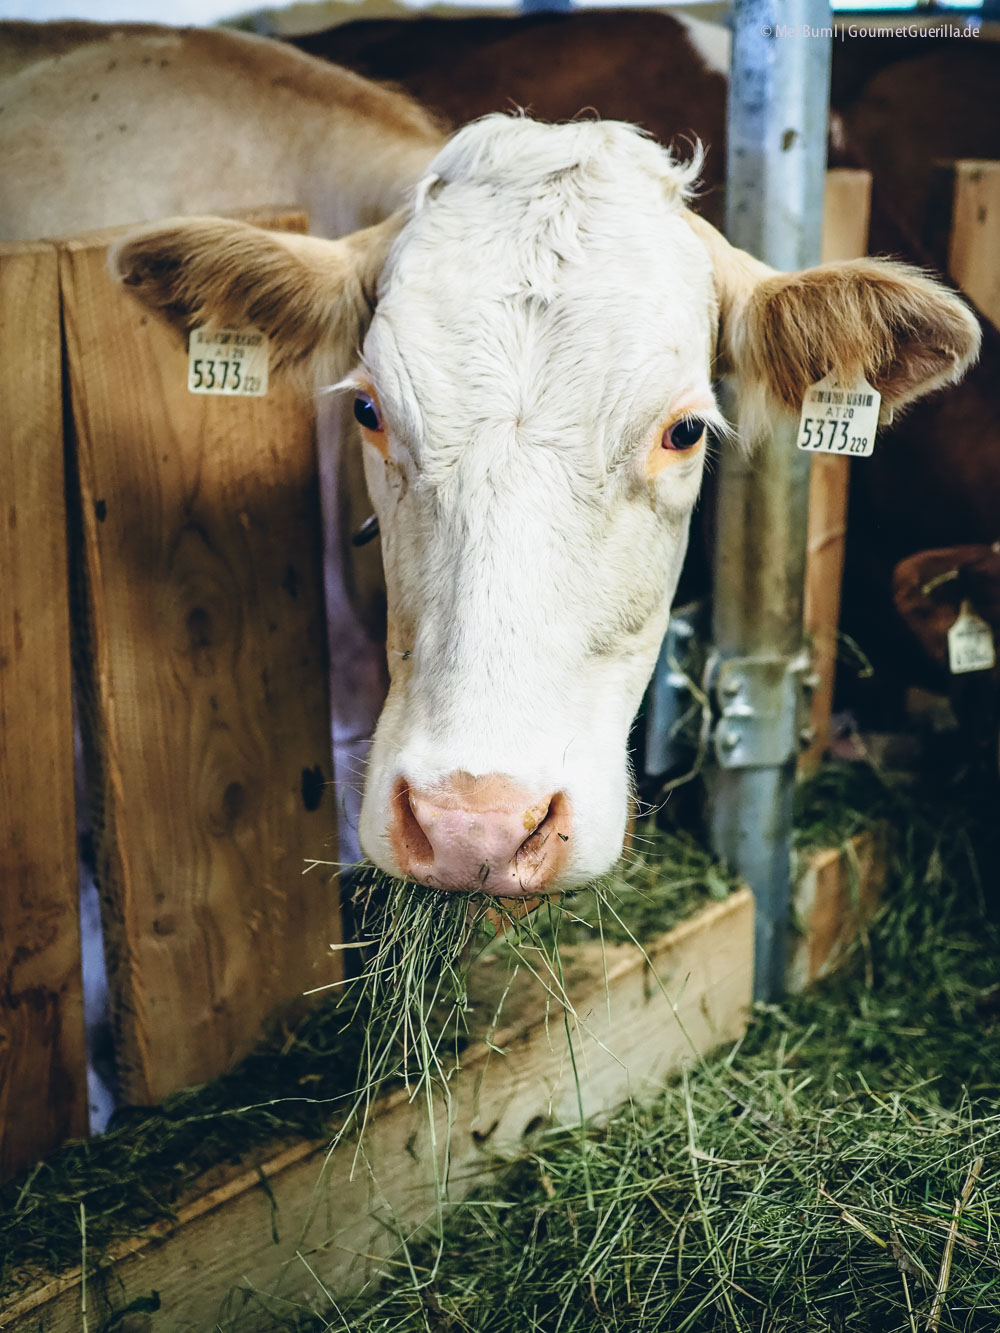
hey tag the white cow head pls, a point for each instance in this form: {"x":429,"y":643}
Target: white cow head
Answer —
{"x":537,"y":339}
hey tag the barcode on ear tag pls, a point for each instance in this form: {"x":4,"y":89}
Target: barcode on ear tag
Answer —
{"x":228,"y":361}
{"x":970,"y":643}
{"x":839,"y":418}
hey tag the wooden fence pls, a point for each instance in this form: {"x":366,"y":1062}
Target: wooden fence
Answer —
{"x":190,"y":552}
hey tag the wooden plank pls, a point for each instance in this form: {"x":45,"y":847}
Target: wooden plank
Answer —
{"x":845,"y":236}
{"x":836,"y":894}
{"x":43,"y":1077}
{"x":243,"y":1238}
{"x":207,"y":714}
{"x":846,"y":210}
{"x":973,"y":250}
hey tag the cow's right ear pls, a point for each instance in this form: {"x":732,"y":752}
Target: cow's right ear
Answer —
{"x":313,"y":298}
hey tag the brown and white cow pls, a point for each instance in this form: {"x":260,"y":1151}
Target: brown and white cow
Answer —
{"x":533,"y":386}
{"x":537,"y":330}
{"x":106,"y":125}
{"x":931,"y":590}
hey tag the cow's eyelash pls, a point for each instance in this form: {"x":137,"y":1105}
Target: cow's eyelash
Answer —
{"x":711,"y":419}
{"x":350,"y":384}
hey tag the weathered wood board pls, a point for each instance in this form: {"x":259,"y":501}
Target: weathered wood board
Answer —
{"x":960,"y":230}
{"x":43,"y":1077}
{"x":973,"y":251}
{"x":845,"y":236}
{"x":232,"y":1246}
{"x":838,"y":890}
{"x":207,"y":712}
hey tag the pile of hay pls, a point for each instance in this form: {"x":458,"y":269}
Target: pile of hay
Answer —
{"x":837,"y":1171}
{"x":405,"y":1019}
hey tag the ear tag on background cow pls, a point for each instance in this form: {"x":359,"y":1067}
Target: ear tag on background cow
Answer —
{"x":232,"y":362}
{"x":970,"y":643}
{"x":838,"y":418}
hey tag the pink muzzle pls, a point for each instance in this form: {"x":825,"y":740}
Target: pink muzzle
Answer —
{"x":480,"y":833}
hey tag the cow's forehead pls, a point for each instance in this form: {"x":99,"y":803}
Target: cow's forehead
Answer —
{"x":547,"y":276}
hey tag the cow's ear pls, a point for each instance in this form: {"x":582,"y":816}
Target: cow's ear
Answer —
{"x":904,"y":332}
{"x":313,"y":298}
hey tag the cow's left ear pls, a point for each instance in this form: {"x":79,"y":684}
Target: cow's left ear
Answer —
{"x":904,"y":332}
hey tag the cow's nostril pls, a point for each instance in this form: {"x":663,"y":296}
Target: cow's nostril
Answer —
{"x":554,"y":824}
{"x":414,"y":839}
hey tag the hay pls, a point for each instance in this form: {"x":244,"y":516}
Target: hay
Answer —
{"x":737,"y":1202}
{"x":837,"y":1171}
{"x":821,"y":1176}
{"x":411,"y":998}
{"x":405,"y":1020}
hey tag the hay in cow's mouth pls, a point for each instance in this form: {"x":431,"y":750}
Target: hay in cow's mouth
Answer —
{"x":411,"y":994}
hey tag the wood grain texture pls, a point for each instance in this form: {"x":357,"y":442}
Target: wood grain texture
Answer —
{"x":845,"y":236}
{"x":242,"y":1238}
{"x":43,"y":1076}
{"x":207,"y":708}
{"x":973,"y":251}
{"x":836,"y":894}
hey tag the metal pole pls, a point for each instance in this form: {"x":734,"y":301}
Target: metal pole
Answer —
{"x":777,"y":129}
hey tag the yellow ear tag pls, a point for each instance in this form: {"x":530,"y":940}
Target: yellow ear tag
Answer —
{"x":838,"y":418}
{"x":232,"y":362}
{"x":970,"y":643}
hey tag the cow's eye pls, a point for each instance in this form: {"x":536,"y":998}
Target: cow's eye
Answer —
{"x":683,"y":434}
{"x":366,"y":412}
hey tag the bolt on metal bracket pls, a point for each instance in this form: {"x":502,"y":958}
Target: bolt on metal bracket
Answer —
{"x":762,"y":708}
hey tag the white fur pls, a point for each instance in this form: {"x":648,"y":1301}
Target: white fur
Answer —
{"x":544,"y":310}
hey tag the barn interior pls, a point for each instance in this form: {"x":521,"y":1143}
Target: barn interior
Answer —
{"x":750,"y":1079}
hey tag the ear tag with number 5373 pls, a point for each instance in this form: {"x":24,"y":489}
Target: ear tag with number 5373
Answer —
{"x":232,"y":362}
{"x":839,"y":418}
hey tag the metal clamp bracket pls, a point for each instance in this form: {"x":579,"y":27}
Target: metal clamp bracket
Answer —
{"x":761,"y":704}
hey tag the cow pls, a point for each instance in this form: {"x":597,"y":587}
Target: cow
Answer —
{"x":72,"y":109}
{"x":82,"y":104}
{"x":669,"y":74}
{"x":106,"y":125}
{"x":537,"y":330}
{"x":933,"y":591}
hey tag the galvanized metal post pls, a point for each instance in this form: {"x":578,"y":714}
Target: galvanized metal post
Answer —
{"x":777,"y":130}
